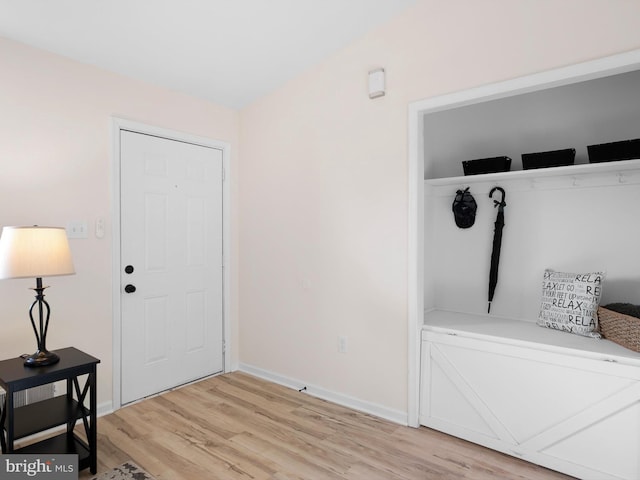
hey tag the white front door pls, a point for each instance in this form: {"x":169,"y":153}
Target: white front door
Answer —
{"x":171,"y":263}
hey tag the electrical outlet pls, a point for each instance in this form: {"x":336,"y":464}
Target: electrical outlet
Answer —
{"x":343,"y":344}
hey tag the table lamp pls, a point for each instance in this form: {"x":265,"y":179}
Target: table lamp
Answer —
{"x":38,"y":252}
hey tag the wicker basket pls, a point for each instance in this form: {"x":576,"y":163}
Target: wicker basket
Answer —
{"x":619,"y":328}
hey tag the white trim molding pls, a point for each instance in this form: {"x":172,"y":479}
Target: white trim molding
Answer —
{"x":615,"y":64}
{"x":390,"y":414}
{"x":118,"y":124}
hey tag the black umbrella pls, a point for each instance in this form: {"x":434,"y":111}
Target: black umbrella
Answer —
{"x":497,"y":243}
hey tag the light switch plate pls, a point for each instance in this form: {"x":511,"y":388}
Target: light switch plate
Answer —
{"x":78,"y":229}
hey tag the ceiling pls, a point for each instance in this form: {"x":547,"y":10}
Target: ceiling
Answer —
{"x":230,"y":52}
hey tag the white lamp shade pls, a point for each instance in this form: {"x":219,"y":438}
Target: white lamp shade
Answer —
{"x":34,"y":252}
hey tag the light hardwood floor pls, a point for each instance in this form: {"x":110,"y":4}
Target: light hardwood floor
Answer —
{"x":236,"y":426}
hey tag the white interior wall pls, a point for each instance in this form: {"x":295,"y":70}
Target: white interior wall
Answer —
{"x":324,"y":190}
{"x":321,"y":181}
{"x":573,"y":229}
{"x":55,"y":167}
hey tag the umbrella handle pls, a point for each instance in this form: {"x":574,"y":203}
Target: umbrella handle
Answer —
{"x":501,"y":203}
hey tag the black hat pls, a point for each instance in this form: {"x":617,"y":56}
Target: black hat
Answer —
{"x":464,"y":208}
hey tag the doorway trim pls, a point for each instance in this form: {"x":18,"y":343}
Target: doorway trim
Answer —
{"x":602,"y":67}
{"x":117,"y":125}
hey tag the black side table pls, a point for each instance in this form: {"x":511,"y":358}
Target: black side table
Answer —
{"x":66,"y":409}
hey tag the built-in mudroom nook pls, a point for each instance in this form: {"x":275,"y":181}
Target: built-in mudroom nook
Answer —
{"x":524,"y":329}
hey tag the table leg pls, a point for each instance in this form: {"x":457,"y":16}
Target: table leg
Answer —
{"x":93,"y":430}
{"x":10,"y":425}
{"x":3,"y":417}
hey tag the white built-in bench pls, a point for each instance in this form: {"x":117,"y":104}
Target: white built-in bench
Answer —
{"x":564,"y":401}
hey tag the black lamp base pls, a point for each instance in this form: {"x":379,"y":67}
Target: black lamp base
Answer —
{"x":41,"y":359}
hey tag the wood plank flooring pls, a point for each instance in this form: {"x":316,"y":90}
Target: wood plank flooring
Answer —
{"x":236,"y":426}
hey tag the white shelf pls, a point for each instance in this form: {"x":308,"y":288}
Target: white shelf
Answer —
{"x":581,"y":175}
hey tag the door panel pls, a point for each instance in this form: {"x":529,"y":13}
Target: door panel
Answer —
{"x":171,"y":232}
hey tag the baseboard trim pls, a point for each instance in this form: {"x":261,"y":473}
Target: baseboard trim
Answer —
{"x":104,"y":408}
{"x":390,"y":414}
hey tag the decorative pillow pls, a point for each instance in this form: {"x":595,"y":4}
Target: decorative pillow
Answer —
{"x":570,"y":302}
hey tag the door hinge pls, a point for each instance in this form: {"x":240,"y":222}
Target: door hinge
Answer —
{"x":224,"y":174}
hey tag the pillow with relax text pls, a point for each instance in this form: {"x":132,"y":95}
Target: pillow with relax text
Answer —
{"x":570,"y":302}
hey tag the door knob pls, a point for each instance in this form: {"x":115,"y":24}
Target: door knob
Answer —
{"x":128,"y":269}
{"x":130,"y":288}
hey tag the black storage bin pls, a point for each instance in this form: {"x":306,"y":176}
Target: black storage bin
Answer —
{"x":486,"y":165}
{"x":609,"y":152}
{"x":553,"y":158}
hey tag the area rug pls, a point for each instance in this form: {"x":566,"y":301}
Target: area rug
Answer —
{"x":126,"y":471}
